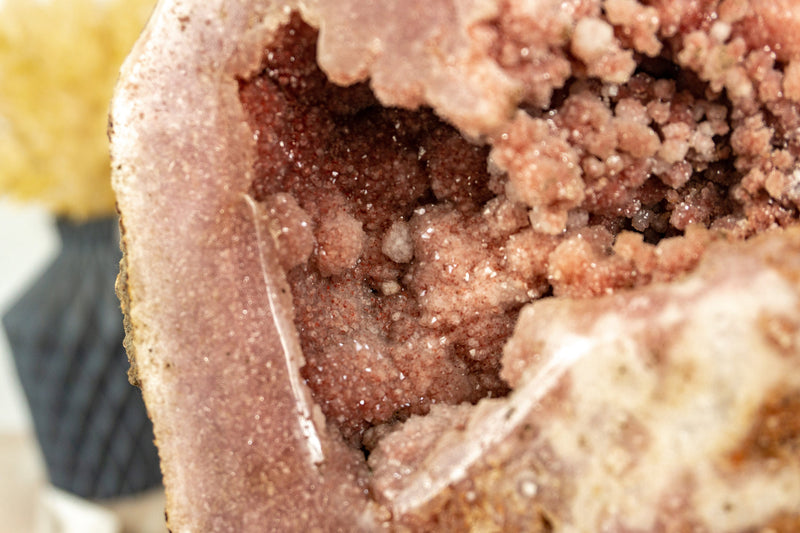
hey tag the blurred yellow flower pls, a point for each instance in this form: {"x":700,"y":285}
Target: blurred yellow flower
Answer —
{"x":59,"y":60}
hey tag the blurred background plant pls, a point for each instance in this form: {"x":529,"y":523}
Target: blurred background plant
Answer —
{"x":59,"y":61}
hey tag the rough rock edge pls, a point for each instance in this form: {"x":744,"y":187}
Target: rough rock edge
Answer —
{"x":122,"y":290}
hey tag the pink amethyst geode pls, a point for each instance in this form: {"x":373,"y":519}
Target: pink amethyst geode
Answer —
{"x":466,"y":265}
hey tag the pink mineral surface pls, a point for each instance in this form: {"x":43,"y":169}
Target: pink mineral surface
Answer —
{"x":447,"y":265}
{"x":427,"y":243}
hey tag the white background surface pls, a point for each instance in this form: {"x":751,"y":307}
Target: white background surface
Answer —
{"x":28,"y":242}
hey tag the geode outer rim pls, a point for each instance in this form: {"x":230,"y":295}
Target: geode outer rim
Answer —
{"x":181,"y":161}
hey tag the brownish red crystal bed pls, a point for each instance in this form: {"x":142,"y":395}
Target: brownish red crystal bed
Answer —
{"x":438,"y":266}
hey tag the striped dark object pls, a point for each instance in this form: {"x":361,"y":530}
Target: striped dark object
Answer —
{"x":66,"y":337}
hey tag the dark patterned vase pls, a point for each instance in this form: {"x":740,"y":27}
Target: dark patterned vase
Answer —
{"x":66,"y":337}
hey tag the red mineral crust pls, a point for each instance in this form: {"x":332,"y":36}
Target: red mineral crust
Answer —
{"x":424,"y":253}
{"x":399,"y":306}
{"x":447,"y":265}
